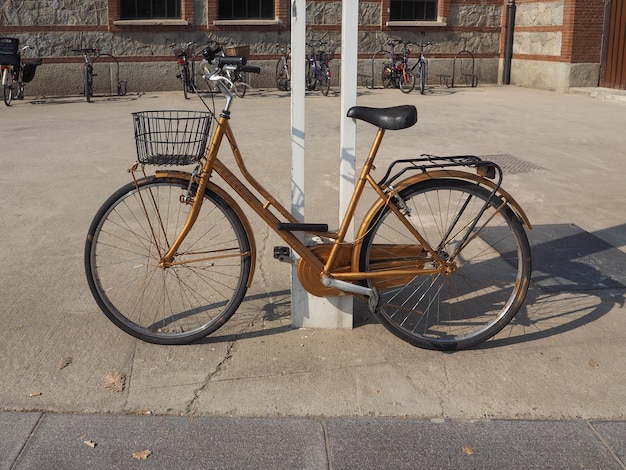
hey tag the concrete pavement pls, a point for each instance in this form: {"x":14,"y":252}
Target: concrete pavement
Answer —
{"x":548,"y":392}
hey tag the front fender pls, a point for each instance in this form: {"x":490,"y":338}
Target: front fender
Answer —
{"x":231,"y":202}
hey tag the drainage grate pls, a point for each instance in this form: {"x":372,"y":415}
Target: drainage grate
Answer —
{"x":512,"y":165}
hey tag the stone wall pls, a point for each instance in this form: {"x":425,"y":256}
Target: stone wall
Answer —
{"x":54,"y":27}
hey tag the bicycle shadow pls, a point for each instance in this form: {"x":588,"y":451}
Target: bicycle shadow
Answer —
{"x":72,"y":99}
{"x":577,"y":278}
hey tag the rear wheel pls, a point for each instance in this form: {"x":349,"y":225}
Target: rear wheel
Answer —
{"x":173,"y":304}
{"x":387,"y":77}
{"x":486,"y":272}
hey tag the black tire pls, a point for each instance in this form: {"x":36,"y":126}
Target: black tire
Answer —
{"x":421,"y":77}
{"x":325,"y":78}
{"x":282,"y":75}
{"x":407,"y":82}
{"x":311,"y":81}
{"x":88,"y":83}
{"x":484,"y":287}
{"x":7,"y":91}
{"x":240,"y":85}
{"x":387,"y":76}
{"x":184,"y":80}
{"x":171,"y":305}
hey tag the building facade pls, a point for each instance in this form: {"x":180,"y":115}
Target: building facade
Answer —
{"x":556,"y":44}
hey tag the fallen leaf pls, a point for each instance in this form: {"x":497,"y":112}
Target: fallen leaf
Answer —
{"x":468,"y":450}
{"x":35,"y":394}
{"x":115,"y":381}
{"x":66,"y":361}
{"x":90,"y":443}
{"x":593,"y":364}
{"x":142,"y":455}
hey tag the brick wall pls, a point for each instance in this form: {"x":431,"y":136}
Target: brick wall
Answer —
{"x":582,"y":39}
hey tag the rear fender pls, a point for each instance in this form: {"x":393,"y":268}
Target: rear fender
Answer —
{"x":431,"y":175}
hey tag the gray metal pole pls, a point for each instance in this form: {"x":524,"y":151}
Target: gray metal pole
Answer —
{"x":508,"y":47}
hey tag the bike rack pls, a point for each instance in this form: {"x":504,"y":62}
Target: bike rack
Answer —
{"x":471,"y":79}
{"x":121,"y":84}
{"x":370,"y":82}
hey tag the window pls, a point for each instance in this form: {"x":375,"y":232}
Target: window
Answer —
{"x":143,"y":9}
{"x":246,"y":9}
{"x":413,"y":10}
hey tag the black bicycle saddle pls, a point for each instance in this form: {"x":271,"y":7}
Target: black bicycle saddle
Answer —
{"x":394,"y":118}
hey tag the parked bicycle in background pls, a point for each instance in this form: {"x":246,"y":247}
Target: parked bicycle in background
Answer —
{"x":237,"y":79}
{"x":184,"y":55}
{"x":318,"y":71}
{"x":283,"y":74}
{"x":15,"y":71}
{"x":420,"y":69}
{"x":90,"y":56}
{"x":396,"y":72}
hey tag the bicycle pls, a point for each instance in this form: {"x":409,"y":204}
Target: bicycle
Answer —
{"x":422,"y":66}
{"x":183,"y":53}
{"x":396,"y":72}
{"x":283,"y":75}
{"x":15,"y":71}
{"x":441,"y":257}
{"x":236,"y":79}
{"x":88,"y":73}
{"x":318,"y":71}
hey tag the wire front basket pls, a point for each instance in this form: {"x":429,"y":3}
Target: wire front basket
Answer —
{"x":171,"y":137}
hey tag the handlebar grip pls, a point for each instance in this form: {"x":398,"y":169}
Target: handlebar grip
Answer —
{"x":250,"y":69}
{"x":237,"y":61}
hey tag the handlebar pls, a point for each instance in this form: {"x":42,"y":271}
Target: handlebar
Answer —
{"x":87,"y":51}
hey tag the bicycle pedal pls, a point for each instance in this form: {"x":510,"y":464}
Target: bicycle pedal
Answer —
{"x":283,"y":254}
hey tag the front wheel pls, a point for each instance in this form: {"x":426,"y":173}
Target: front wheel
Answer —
{"x":88,"y":83}
{"x":173,"y":304}
{"x":7,"y":86}
{"x":282,"y":75}
{"x":311,"y":80}
{"x":240,"y":85}
{"x":485,"y":274}
{"x":407,"y":81}
{"x":421,"y":77}
{"x":184,"y":79}
{"x":325,"y":79}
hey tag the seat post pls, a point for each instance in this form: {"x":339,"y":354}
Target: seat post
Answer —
{"x":354,"y":200}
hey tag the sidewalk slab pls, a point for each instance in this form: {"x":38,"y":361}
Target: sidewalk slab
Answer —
{"x":203,"y":442}
{"x":15,"y":430}
{"x":173,"y":442}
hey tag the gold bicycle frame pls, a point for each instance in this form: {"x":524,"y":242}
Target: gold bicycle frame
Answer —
{"x":263,"y":208}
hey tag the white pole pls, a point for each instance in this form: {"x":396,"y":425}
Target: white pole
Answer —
{"x":349,"y":61}
{"x":308,"y":310}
